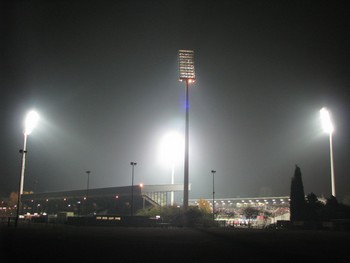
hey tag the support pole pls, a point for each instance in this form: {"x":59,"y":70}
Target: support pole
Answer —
{"x":186,"y":166}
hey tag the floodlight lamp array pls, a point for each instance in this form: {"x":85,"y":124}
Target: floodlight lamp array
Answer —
{"x":186,"y":65}
{"x":326,"y":121}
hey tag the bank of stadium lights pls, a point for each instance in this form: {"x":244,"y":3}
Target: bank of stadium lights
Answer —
{"x":186,"y":66}
{"x":186,"y":74}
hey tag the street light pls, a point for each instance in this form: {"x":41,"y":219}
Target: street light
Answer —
{"x":132,"y":187}
{"x":328,"y":128}
{"x":213,"y":172}
{"x":187,"y":74}
{"x":30,"y":123}
{"x":87,"y":192}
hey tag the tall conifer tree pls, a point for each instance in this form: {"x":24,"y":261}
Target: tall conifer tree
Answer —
{"x":297,"y":197}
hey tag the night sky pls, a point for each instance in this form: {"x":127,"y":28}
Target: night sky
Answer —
{"x":103,"y":75}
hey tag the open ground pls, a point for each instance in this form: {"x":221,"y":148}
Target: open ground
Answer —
{"x":57,"y":243}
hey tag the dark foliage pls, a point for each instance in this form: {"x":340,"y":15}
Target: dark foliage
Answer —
{"x":313,"y":207}
{"x":297,"y":197}
{"x":193,"y":216}
{"x":331,"y":210}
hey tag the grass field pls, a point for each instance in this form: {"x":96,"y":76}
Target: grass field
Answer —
{"x":62,"y":243}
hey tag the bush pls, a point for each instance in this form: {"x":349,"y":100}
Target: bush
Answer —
{"x":177,"y":216}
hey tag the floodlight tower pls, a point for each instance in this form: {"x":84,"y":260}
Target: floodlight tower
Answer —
{"x":132,"y":188}
{"x":328,"y":128}
{"x":187,"y":74}
{"x":30,"y":123}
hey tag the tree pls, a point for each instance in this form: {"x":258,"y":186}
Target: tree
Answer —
{"x":250,"y":212}
{"x":177,"y":216}
{"x":313,"y":207}
{"x":297,"y":197}
{"x":13,"y":199}
{"x":204,"y":206}
{"x":168,"y":214}
{"x":331,"y":208}
{"x":335,"y":210}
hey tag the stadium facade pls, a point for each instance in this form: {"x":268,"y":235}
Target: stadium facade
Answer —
{"x":118,"y":201}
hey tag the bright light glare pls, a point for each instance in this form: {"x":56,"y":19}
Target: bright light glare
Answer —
{"x":171,"y":148}
{"x":326,"y":121}
{"x":31,"y":121}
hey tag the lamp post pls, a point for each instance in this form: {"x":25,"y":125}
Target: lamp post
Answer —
{"x":328,"y":128}
{"x":187,"y":74}
{"x":87,"y":191}
{"x":30,"y":123}
{"x":132,"y":188}
{"x":34,"y":190}
{"x":213,"y":172}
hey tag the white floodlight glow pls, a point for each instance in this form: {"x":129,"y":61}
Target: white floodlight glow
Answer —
{"x":171,"y":148}
{"x":31,"y":122}
{"x":326,"y":121}
{"x":171,"y":151}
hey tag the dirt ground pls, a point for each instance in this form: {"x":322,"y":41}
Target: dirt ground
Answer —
{"x":62,"y":243}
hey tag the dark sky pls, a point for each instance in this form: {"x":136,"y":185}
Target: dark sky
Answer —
{"x":103,"y":76}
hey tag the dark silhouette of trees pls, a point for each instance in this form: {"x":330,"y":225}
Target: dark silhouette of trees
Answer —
{"x":311,"y":213}
{"x":313,"y":207}
{"x":330,"y":210}
{"x":250,"y":213}
{"x":193,"y":216}
{"x":297,"y":197}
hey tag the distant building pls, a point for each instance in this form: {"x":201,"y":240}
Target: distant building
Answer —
{"x":111,"y":200}
{"x":231,"y":210}
{"x":117,"y":201}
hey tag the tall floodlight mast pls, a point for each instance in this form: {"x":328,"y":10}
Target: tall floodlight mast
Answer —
{"x":329,"y":129}
{"x":132,"y":188}
{"x":30,"y":123}
{"x":187,"y":74}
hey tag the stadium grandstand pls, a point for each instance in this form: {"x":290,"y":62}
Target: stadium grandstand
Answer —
{"x":117,"y":201}
{"x":268,"y":210}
